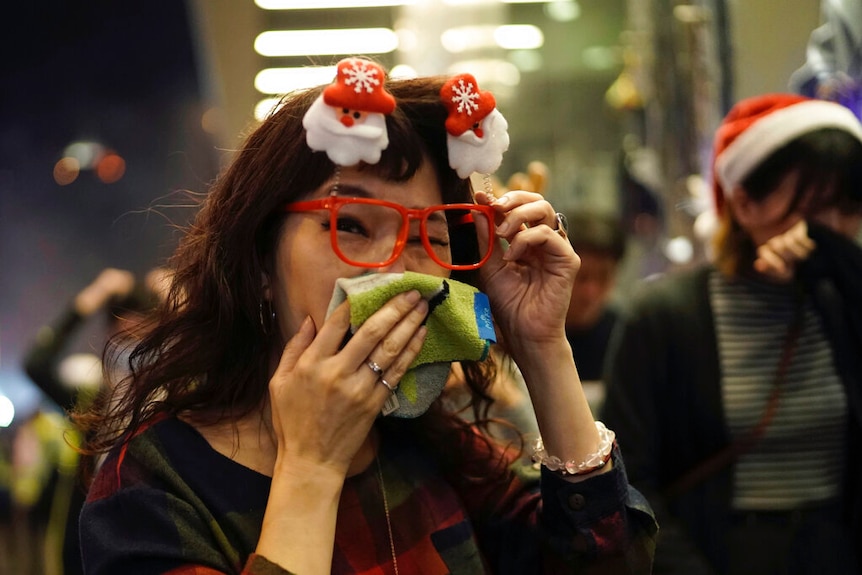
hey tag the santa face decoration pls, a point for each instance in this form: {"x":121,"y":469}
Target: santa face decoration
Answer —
{"x":348,"y":120}
{"x":477,"y":134}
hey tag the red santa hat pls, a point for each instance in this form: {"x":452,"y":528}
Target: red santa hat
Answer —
{"x":358,"y":85}
{"x":756,"y":127}
{"x":467,"y":104}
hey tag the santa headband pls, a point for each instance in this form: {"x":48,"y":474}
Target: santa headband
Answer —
{"x":757,"y":127}
{"x":347,"y":121}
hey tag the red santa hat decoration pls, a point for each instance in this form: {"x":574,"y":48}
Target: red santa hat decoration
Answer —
{"x":477,"y":133}
{"x":359,"y":86}
{"x":348,"y":120}
{"x":758,"y":126}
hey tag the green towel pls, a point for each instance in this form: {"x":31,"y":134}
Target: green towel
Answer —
{"x":459,"y":328}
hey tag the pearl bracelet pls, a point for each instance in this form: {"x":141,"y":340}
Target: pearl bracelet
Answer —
{"x":593,"y":461}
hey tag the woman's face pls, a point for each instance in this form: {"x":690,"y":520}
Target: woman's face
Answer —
{"x":766,"y":218}
{"x":306,"y":266}
{"x":772,"y":217}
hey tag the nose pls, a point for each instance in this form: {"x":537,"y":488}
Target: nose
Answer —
{"x":399,"y":266}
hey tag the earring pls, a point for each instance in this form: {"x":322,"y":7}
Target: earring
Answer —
{"x":267,"y":324}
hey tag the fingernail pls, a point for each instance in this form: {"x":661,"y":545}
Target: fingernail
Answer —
{"x":503,"y":229}
{"x":412,"y":296}
{"x":307,"y":324}
{"x":501,"y":201}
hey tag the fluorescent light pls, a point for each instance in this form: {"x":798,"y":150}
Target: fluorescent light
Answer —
{"x":488,"y":71}
{"x":489,"y":2}
{"x":326,"y":42}
{"x":284,"y":80}
{"x":509,"y":37}
{"x":316,"y":4}
{"x":519,"y":37}
{"x":465,"y":38}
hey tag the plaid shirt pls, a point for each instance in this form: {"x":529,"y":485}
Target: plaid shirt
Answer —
{"x":169,"y":503}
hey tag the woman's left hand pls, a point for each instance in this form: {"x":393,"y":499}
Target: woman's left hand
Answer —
{"x":529,"y":282}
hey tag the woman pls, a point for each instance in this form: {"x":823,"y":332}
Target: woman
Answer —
{"x":251,"y":438}
{"x":734,"y":386}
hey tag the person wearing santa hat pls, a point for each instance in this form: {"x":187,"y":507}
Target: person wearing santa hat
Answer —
{"x":736,"y":387}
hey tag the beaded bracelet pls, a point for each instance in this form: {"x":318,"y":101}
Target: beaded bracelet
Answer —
{"x":593,"y":461}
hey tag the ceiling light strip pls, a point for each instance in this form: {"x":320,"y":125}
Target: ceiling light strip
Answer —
{"x":284,"y":80}
{"x":330,"y":4}
{"x":326,"y":42}
{"x":318,"y":4}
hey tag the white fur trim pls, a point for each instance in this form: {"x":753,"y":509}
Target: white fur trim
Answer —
{"x":776,"y":129}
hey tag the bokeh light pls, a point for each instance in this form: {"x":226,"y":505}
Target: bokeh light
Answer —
{"x":111,"y":168}
{"x":66,"y":170}
{"x":88,"y":154}
{"x":7,"y":411}
{"x":213,"y":120}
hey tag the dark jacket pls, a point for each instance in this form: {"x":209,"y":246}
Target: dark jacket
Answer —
{"x":664,"y":397}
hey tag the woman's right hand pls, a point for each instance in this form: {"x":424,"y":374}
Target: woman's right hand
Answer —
{"x":778,"y":257}
{"x":109,"y":283}
{"x":324,"y":399}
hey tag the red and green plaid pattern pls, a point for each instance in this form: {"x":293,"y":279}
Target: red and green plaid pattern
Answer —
{"x":169,"y":503}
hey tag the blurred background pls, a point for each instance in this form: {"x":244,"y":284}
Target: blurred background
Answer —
{"x":114,"y":114}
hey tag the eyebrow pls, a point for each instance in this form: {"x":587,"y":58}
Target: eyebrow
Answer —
{"x":354,"y":191}
{"x":341,"y":189}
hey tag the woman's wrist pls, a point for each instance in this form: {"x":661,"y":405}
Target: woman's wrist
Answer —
{"x":541,"y":359}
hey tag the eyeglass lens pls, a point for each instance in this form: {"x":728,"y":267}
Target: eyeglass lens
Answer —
{"x":368,"y":234}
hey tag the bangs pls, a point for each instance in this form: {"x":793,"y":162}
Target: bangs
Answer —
{"x":832,"y":170}
{"x":417,"y":134}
